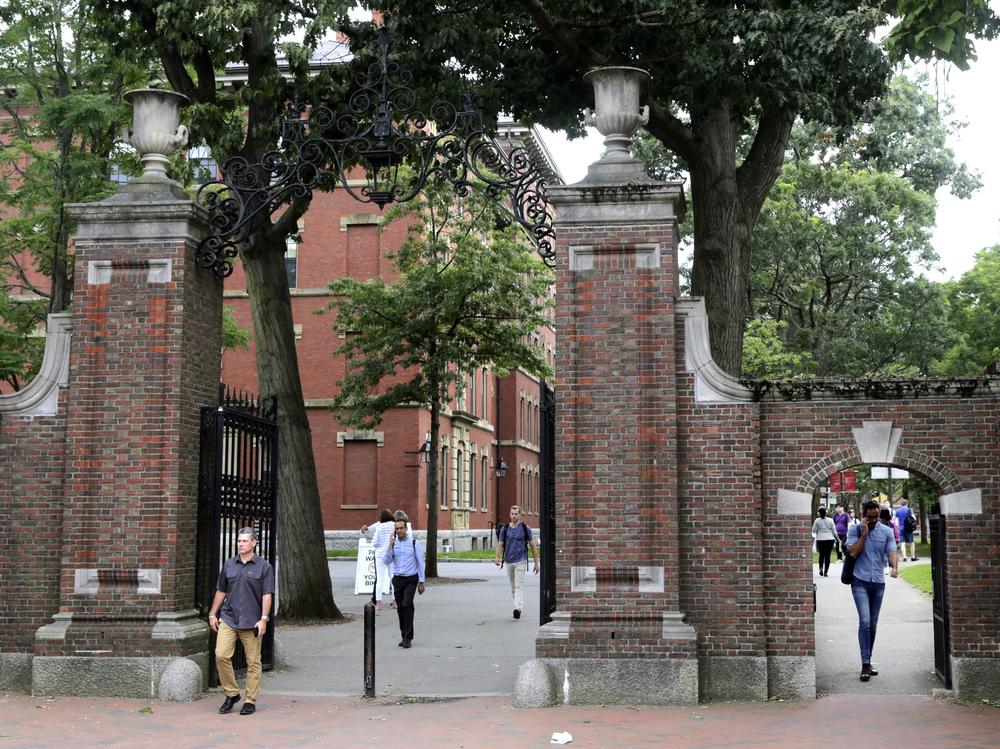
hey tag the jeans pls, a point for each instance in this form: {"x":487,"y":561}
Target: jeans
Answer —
{"x":868,"y":600}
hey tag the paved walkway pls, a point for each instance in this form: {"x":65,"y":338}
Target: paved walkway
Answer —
{"x":467,"y":643}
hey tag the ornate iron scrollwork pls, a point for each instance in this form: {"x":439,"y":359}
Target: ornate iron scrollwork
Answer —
{"x":382,"y":130}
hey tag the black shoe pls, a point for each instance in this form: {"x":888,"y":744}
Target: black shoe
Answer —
{"x":913,"y":559}
{"x":873,"y":672}
{"x":248,"y":708}
{"x":402,"y":643}
{"x":517,"y":613}
{"x":405,"y":643}
{"x":866,"y":671}
{"x":228,"y":704}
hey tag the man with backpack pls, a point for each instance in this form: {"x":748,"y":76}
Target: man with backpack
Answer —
{"x":907,"y":525}
{"x":512,"y":549}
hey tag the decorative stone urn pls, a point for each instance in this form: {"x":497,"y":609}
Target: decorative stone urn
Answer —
{"x":156,"y":130}
{"x":616,"y":99}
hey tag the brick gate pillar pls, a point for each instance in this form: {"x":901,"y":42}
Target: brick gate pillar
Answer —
{"x":618,"y":634}
{"x":145,"y":356}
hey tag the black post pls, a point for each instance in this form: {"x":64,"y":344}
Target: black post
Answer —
{"x":369,"y":649}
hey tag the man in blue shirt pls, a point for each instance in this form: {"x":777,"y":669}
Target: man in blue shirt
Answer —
{"x":870,"y":543}
{"x":407,"y":560}
{"x":904,"y":513}
{"x":512,"y":548}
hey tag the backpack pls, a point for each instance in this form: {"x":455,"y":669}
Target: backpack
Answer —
{"x":910,"y":524}
{"x":502,"y":537}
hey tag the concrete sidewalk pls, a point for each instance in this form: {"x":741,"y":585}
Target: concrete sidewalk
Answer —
{"x":285,"y":722}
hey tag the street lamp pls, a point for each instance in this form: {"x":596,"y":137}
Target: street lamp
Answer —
{"x":501,"y":469}
{"x":425,"y":452}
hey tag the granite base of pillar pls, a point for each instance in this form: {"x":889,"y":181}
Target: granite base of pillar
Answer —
{"x":976,"y":679}
{"x":164,"y":658}
{"x":791,"y":677}
{"x":96,"y":676}
{"x":15,"y":672}
{"x":546,"y":682}
{"x":732,"y":678}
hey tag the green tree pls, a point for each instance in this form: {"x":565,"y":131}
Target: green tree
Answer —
{"x":742,"y":72}
{"x":60,"y":96}
{"x":973,"y":312}
{"x":468,"y":296}
{"x":765,"y":356}
{"x":844,"y":231}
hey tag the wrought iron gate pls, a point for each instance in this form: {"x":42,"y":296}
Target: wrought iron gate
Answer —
{"x":942,"y":643}
{"x":237,"y":488}
{"x":547,"y":519}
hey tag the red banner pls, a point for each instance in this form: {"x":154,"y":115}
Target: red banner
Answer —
{"x":850,"y":481}
{"x":835,"y":483}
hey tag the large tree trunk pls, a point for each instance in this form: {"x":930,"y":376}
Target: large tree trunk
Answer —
{"x":727,"y":201}
{"x":305,"y":590}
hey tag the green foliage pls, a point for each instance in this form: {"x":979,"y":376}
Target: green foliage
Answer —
{"x":974,"y":312}
{"x":21,"y":345}
{"x":468,"y":295}
{"x":919,"y":576}
{"x":234,"y":335}
{"x":843,"y":233}
{"x":765,"y":356}
{"x":940,"y":29}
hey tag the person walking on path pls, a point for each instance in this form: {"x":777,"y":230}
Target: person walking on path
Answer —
{"x":243,"y":598}
{"x":407,"y":560}
{"x":826,"y":536}
{"x":870,"y":543}
{"x":907,"y":526}
{"x":512,"y":549}
{"x":841,"y":520}
{"x":380,"y":534}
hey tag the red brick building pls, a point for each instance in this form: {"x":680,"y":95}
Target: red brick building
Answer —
{"x":360,"y":472}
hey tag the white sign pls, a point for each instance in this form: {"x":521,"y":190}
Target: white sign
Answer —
{"x":882,"y":472}
{"x":364,"y":575}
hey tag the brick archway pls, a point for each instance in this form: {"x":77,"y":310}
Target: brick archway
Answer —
{"x":943,"y":478}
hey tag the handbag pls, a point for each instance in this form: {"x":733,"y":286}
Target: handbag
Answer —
{"x":847,"y":571}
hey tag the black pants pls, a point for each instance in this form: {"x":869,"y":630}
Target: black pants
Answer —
{"x":824,"y":548}
{"x":404,"y":588}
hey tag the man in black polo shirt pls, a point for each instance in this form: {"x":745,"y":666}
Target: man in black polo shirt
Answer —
{"x":245,"y":591}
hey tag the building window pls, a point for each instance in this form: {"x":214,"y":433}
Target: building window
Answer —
{"x":485,"y":393}
{"x":473,"y":401}
{"x":520,"y":422}
{"x":203,"y":167}
{"x":457,"y":499}
{"x":360,"y":472}
{"x":292,"y":261}
{"x":443,"y":478}
{"x":538,"y":433}
{"x":484,"y":484}
{"x":522,"y":494}
{"x":473,"y":486}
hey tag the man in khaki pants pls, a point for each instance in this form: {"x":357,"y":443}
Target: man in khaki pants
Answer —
{"x":245,"y":591}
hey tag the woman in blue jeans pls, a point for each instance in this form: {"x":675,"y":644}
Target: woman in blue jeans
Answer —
{"x":870,"y":543}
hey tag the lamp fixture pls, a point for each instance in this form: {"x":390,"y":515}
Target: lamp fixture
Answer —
{"x":425,"y":452}
{"x":501,"y":469}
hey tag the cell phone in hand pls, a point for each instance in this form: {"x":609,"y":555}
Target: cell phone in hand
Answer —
{"x":256,"y":631}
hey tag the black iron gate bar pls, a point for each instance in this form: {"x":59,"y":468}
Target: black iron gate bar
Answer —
{"x":237,"y":489}
{"x":547,"y":520}
{"x":382,"y":131}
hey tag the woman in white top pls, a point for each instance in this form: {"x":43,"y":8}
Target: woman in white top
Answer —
{"x":380,"y":533}
{"x":826,"y":535}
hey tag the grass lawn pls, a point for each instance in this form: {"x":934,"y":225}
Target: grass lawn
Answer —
{"x":923,"y":553}
{"x":919,"y":576}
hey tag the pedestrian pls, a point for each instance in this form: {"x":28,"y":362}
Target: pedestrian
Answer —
{"x":886,"y":517}
{"x":826,"y":536}
{"x":907,"y":526}
{"x":841,"y":520}
{"x":380,"y":533}
{"x":240,"y":611}
{"x":407,"y":560}
{"x":871,"y":543}
{"x":512,"y":549}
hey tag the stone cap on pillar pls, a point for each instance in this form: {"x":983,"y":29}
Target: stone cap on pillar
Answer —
{"x":618,"y":117}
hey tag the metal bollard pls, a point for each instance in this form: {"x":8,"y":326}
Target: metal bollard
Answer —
{"x":369,"y":649}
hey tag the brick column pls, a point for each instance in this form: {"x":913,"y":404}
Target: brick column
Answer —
{"x":145,"y":356}
{"x":618,"y":635}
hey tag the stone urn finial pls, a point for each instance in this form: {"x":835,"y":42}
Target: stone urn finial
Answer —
{"x":616,"y":100}
{"x":156,"y":130}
